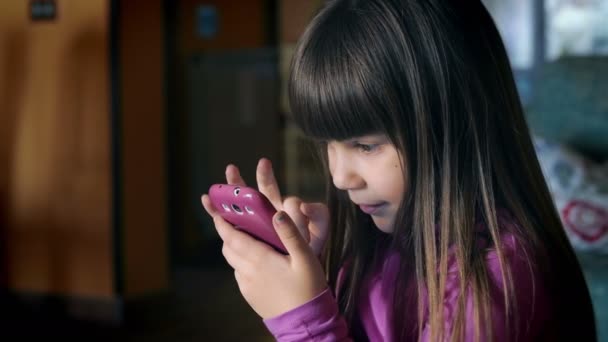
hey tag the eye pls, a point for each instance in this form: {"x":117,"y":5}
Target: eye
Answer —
{"x":366,"y":148}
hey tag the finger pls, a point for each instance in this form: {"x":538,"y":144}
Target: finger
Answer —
{"x":291,"y":206}
{"x":209,"y":206}
{"x":232,"y":237}
{"x":233,"y":176}
{"x":223,"y":228}
{"x":318,"y":228}
{"x":267,"y":183}
{"x":289,"y":234}
{"x":317,"y":213}
{"x":232,"y":258}
{"x":242,"y":244}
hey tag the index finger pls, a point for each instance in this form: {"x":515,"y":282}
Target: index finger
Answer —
{"x":233,"y":176}
{"x":267,"y":183}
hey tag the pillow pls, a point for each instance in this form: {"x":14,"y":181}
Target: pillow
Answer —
{"x":579,"y":188}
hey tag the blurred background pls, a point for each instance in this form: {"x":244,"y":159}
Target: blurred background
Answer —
{"x":116,"y":115}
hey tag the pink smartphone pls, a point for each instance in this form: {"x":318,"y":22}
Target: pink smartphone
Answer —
{"x":247,"y":209}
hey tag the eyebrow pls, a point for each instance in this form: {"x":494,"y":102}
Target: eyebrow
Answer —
{"x":379,"y":136}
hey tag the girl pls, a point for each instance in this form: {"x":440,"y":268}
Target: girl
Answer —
{"x":438,"y":225}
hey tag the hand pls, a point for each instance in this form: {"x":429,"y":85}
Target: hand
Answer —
{"x":312,"y":219}
{"x":272,"y":283}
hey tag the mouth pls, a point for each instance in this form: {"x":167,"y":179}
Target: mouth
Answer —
{"x":371,"y":209}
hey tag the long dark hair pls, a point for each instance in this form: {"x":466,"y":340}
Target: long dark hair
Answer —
{"x":434,"y":77}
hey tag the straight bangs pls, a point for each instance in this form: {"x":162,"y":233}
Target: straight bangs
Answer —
{"x":334,"y":91}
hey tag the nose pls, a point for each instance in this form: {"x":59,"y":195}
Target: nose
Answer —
{"x":343,"y":173}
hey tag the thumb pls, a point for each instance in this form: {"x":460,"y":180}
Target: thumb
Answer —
{"x":290,"y":235}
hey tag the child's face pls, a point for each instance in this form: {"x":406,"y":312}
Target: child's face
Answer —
{"x":370,"y":170}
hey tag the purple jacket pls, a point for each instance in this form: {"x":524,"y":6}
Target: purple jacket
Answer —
{"x":320,"y":320}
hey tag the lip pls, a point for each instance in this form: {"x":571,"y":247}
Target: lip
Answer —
{"x":371,"y":209}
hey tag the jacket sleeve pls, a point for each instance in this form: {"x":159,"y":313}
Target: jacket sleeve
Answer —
{"x":529,"y":309}
{"x":317,"y":320}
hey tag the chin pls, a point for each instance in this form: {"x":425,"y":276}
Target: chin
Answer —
{"x":384,"y":225}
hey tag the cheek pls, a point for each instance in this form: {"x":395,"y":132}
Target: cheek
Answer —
{"x":395,"y":181}
{"x":397,"y":189}
{"x":330,"y":160}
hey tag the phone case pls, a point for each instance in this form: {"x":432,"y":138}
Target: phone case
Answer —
{"x":248,"y":210}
